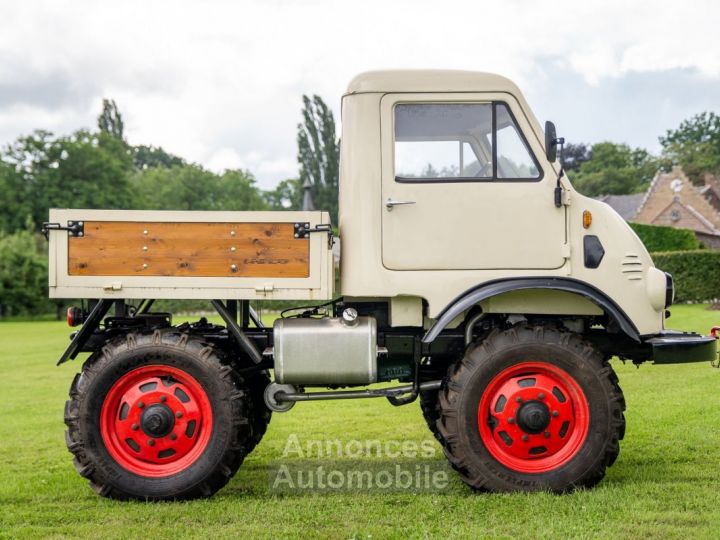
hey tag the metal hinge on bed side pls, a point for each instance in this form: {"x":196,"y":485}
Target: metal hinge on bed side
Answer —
{"x":74,"y":228}
{"x":303,"y":230}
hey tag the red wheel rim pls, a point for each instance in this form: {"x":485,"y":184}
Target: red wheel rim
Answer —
{"x":156,"y":421}
{"x":533,"y":417}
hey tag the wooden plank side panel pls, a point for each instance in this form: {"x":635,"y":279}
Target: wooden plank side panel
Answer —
{"x":123,"y":248}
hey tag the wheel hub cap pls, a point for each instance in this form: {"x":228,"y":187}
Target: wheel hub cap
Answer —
{"x":157,"y":420}
{"x":533,"y":417}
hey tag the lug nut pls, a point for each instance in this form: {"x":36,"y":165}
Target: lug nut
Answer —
{"x":141,"y":404}
{"x":151,"y":442}
{"x":518,"y":399}
{"x":547,"y":434}
{"x":134,"y":427}
{"x":555,"y":413}
{"x":525,"y":438}
{"x":178,"y":414}
{"x":163,"y":399}
{"x":511,"y":420}
{"x":541,"y":395}
{"x":173,"y":436}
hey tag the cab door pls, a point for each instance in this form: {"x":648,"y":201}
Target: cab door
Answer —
{"x":462,"y":188}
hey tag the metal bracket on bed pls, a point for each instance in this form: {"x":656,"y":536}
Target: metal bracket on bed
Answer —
{"x":74,"y":228}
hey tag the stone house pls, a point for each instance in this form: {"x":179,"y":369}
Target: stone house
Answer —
{"x":673,"y":201}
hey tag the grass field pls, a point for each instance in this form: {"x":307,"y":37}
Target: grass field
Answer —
{"x":664,"y":485}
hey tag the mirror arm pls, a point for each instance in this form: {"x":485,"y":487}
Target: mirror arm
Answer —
{"x":560,"y":141}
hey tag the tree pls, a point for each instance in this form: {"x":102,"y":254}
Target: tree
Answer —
{"x":23,"y":275}
{"x":575,"y":155}
{"x":42,"y":171}
{"x":695,"y":145}
{"x":615,"y":169}
{"x":287,"y":195}
{"x":319,"y":154}
{"x":148,"y":157}
{"x":15,"y":206}
{"x":110,"y":120}
{"x":191,"y":187}
{"x":144,"y":156}
{"x":236,"y":190}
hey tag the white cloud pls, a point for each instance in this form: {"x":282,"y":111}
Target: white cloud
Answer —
{"x":219,"y":82}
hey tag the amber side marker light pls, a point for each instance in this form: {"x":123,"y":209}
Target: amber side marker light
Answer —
{"x":587,"y":219}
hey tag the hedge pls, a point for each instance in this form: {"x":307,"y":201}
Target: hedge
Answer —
{"x":696,"y":273}
{"x":658,"y":238}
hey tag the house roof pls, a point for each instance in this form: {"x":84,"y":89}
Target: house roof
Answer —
{"x":625,"y":205}
{"x":672,"y":200}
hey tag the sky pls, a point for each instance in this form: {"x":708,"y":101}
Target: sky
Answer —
{"x":220,"y":83}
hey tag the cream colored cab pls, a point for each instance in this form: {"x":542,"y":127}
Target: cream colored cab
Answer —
{"x":458,"y":193}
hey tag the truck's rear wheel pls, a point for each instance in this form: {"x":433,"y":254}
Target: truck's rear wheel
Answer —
{"x":157,"y":416}
{"x":530,"y":409}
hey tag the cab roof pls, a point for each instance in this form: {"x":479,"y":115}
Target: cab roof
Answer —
{"x":430,"y":80}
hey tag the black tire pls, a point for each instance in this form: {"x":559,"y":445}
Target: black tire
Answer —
{"x":486,"y":363}
{"x":260,"y":415}
{"x":431,"y":411}
{"x":226,"y":395}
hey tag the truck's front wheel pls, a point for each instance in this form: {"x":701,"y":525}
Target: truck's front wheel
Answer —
{"x":157,"y":416}
{"x":531,"y":408}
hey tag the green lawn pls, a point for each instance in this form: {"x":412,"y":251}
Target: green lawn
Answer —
{"x":664,"y":484}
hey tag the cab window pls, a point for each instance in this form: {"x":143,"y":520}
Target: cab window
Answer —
{"x":460,"y":142}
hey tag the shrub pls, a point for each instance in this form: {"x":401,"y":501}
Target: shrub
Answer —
{"x":696,"y":274}
{"x":658,"y":238}
{"x":23,"y":276}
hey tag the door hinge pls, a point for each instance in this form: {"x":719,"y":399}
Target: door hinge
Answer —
{"x":113,"y":286}
{"x":265,"y":288}
{"x":566,"y":197}
{"x":74,"y":228}
{"x":303,"y":230}
{"x":565,"y":251}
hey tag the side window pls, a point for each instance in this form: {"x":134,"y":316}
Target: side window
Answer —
{"x":443,"y":140}
{"x":513,"y":156}
{"x":436,"y":142}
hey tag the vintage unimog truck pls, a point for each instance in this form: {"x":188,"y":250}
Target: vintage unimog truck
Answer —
{"x":472,"y":274}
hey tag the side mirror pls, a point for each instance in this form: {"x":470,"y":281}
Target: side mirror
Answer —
{"x":550,"y":141}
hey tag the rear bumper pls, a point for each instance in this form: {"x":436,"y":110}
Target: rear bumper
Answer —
{"x":671,"y":347}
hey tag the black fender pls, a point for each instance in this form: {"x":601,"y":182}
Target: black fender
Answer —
{"x":492,"y":288}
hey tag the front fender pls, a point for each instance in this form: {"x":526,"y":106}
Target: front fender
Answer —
{"x":492,"y":288}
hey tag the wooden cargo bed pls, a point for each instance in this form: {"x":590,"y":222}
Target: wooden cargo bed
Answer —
{"x":112,"y":248}
{"x":167,"y":254}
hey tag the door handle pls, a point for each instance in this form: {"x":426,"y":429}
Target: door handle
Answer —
{"x":390,"y":203}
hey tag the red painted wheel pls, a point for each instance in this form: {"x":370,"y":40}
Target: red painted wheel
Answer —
{"x":158,"y":415}
{"x":156,"y":421}
{"x":533,"y":417}
{"x":531,"y":408}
